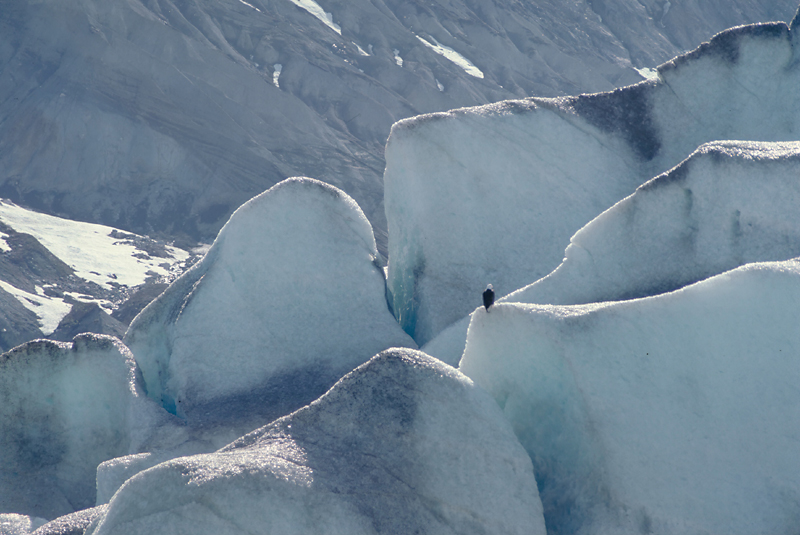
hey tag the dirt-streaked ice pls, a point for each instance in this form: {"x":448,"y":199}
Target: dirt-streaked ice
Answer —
{"x":403,"y":444}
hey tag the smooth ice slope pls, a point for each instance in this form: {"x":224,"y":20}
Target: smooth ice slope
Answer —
{"x":670,"y":414}
{"x":64,"y":409}
{"x":289,"y":298}
{"x":728,"y":204}
{"x":493,"y":194}
{"x":403,"y":444}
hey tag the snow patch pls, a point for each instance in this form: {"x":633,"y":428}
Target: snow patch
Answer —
{"x":361,"y":50}
{"x":103,"y":303}
{"x":276,"y":74}
{"x":397,"y":58}
{"x":439,"y":85}
{"x":250,"y":5}
{"x":453,"y":56}
{"x":648,"y":73}
{"x":49,"y":310}
{"x":89,"y":249}
{"x":315,"y":9}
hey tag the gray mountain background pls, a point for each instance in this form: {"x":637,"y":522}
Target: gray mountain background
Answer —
{"x":161,"y":117}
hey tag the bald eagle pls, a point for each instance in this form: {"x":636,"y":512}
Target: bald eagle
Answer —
{"x":488,"y":297}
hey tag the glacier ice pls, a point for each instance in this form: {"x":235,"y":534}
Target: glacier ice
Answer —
{"x":289,"y":298}
{"x":72,"y":524}
{"x":402,"y":444}
{"x":111,"y":474}
{"x":14,"y":524}
{"x":677,"y":413}
{"x":65,"y":408}
{"x":728,"y":204}
{"x":448,"y":345}
{"x":493,"y":193}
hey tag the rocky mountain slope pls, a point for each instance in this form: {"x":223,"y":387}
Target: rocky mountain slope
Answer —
{"x":59,"y":278}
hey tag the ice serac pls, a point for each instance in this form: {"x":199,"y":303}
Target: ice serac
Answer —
{"x":730,"y":203}
{"x":671,"y":414}
{"x":493,"y":194}
{"x":65,"y":407}
{"x":402,"y":444}
{"x":290,"y":297}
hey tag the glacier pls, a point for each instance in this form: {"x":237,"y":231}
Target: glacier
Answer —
{"x":730,"y":203}
{"x":65,"y":407}
{"x":14,"y":524}
{"x":289,"y":298}
{"x":399,"y":445}
{"x":515,"y":180}
{"x":672,"y":411}
{"x":669,"y":414}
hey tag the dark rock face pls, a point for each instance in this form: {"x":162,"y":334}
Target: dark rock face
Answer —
{"x":17,"y":323}
{"x":87,"y":318}
{"x":29,"y":262}
{"x":137,"y":301}
{"x":165,"y":117}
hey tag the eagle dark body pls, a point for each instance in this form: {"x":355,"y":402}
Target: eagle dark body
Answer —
{"x":488,"y":297}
